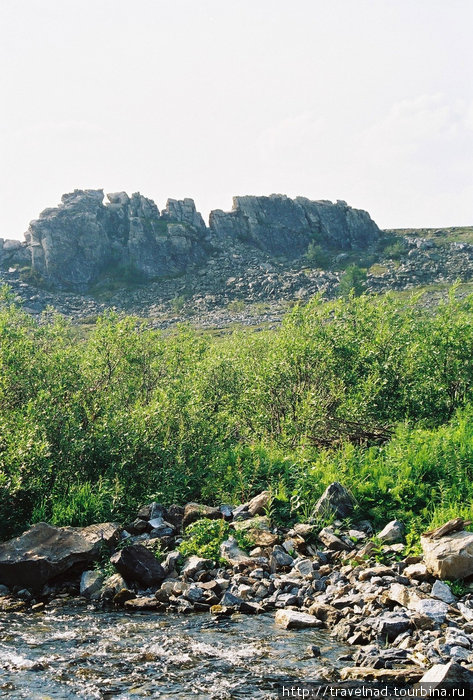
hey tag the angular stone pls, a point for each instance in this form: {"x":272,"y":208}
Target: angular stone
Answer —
{"x":390,"y":624}
{"x":446,"y":677}
{"x":136,"y":563}
{"x":417,"y":571}
{"x":280,"y":558}
{"x":392,"y":532}
{"x":193,"y":565}
{"x":335,"y":500}
{"x":44,"y":552}
{"x":231,"y":552}
{"x":91,"y":583}
{"x":259,"y":503}
{"x":441,"y":591}
{"x":330,"y":540}
{"x":292,"y":619}
{"x":450,"y":557}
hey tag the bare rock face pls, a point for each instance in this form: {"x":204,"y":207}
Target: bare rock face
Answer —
{"x":451,"y":556}
{"x":84,"y":239}
{"x":72,"y":245}
{"x":283,"y":226}
{"x":44,"y":552}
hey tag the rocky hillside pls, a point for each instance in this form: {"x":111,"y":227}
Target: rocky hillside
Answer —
{"x":247,"y":266}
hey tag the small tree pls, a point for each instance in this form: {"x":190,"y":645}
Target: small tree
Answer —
{"x":352,"y":280}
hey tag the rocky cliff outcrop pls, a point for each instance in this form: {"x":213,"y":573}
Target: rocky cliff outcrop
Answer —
{"x":74,"y":245}
{"x":283,"y":226}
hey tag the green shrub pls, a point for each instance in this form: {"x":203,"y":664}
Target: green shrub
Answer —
{"x":204,"y":538}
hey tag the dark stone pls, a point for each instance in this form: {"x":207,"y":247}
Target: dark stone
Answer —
{"x":44,"y":552}
{"x":136,"y":563}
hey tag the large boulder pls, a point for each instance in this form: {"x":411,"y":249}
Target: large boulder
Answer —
{"x":450,"y":557}
{"x":44,"y":552}
{"x":136,"y":563}
{"x":335,"y":500}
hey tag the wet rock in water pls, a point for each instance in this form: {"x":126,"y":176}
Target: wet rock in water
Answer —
{"x":441,"y":591}
{"x":44,"y":552}
{"x":123,"y":595}
{"x":258,"y":504}
{"x":335,"y":500}
{"x":136,"y":563}
{"x":314,"y":650}
{"x":450,"y":557}
{"x":112,"y":585}
{"x":10,"y":604}
{"x":196,"y":511}
{"x":4,"y":590}
{"x":393,"y":532}
{"x":293,"y":619}
{"x":142,"y":604}
{"x":91,"y":584}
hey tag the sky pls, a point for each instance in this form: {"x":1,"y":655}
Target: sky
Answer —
{"x":369,"y":101}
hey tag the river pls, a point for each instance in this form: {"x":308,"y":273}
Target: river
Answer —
{"x":68,"y":652}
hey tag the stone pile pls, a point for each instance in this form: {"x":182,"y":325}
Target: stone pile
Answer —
{"x":393,"y":609}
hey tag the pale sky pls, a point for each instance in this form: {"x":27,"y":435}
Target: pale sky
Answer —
{"x":370,"y":101}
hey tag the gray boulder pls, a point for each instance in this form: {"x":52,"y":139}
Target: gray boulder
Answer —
{"x":44,"y":552}
{"x":335,"y":500}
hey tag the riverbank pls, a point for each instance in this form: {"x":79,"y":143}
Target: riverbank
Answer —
{"x":393,"y":610}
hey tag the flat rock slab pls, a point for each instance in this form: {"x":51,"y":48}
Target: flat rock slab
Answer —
{"x":44,"y":552}
{"x":294,"y":620}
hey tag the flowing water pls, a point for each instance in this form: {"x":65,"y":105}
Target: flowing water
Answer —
{"x":83,"y":653}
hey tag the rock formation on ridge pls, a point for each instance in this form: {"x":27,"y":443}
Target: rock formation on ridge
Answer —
{"x":73,"y":245}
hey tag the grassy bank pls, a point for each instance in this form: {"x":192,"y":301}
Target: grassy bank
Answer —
{"x":373,"y":392}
